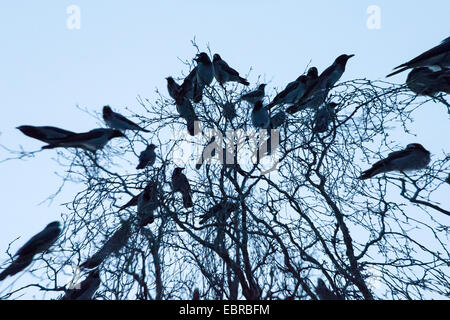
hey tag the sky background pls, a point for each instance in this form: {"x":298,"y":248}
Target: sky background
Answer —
{"x":126,"y":48}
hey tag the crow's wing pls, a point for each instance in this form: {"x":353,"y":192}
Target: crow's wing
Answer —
{"x":228,"y":69}
{"x":126,"y":120}
{"x":435,"y":51}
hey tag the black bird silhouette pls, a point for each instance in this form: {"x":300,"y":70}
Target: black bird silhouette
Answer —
{"x":293,"y":92}
{"x":437,"y":57}
{"x":221,"y":210}
{"x":414,"y":157}
{"x":324,"y":117}
{"x":131,"y":203}
{"x":426,"y":82}
{"x":317,"y":92}
{"x":255,"y":95}
{"x":260,"y":116}
{"x":117,"y":121}
{"x":147,"y":204}
{"x":46,"y":134}
{"x":147,"y":157}
{"x":41,"y":242}
{"x":324,"y":293}
{"x":224,"y":73}
{"x":172,"y":87}
{"x":112,"y":245}
{"x":204,"y":70}
{"x":92,"y":141}
{"x":187,"y":112}
{"x":181,"y":184}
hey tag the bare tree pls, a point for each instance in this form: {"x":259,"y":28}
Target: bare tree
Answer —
{"x":267,"y":226}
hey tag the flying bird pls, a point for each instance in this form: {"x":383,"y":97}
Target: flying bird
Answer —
{"x":46,"y":134}
{"x":426,"y":82}
{"x":260,"y":116}
{"x":117,"y":121}
{"x":224,"y":73}
{"x":324,"y":293}
{"x":181,"y":184}
{"x":147,"y":204}
{"x":221,"y":211}
{"x":413,"y":157}
{"x":437,"y":58}
{"x":113,"y":245}
{"x":317,"y":92}
{"x":41,"y":242}
{"x":86,"y":289}
{"x":92,"y":141}
{"x":324,"y":117}
{"x":147,"y":157}
{"x":293,"y":92}
{"x":204,"y":71}
{"x":255,"y":95}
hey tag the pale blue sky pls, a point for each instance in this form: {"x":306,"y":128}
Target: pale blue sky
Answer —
{"x":127,"y":48}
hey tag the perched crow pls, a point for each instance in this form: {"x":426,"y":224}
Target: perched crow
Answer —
{"x":414,"y":157}
{"x":46,"y":134}
{"x":255,"y":95}
{"x":293,"y":92}
{"x":426,"y":82}
{"x":147,"y":204}
{"x":205,"y":70}
{"x":147,"y":157}
{"x":317,"y":92}
{"x":324,"y":293}
{"x":41,"y":242}
{"x":229,"y":110}
{"x":181,"y":184}
{"x":173,"y":88}
{"x":221,"y":210}
{"x":224,"y":73}
{"x":112,"y":245}
{"x":324,"y":117}
{"x":437,"y":58}
{"x":260,"y":116}
{"x":92,"y":141}
{"x":277,"y":120}
{"x":117,"y":121}
{"x":187,"y":112}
